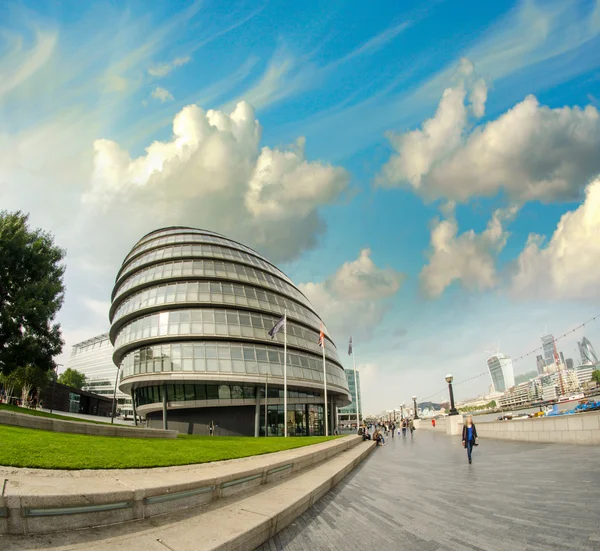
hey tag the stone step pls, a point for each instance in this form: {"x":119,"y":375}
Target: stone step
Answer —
{"x":231,"y":524}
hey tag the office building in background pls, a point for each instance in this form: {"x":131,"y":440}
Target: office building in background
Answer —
{"x":501,"y":372}
{"x":347,"y":415}
{"x":93,"y":358}
{"x":588,"y":354}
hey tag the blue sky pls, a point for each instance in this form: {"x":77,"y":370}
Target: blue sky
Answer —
{"x":406,"y":162}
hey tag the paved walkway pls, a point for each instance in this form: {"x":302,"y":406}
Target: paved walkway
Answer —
{"x":422,"y":495}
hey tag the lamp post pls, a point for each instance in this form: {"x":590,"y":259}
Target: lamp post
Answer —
{"x":55,"y":371}
{"x":453,"y":410}
{"x":402,"y":412}
{"x":416,"y":415}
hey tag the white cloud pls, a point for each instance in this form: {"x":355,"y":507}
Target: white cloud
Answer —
{"x":163,"y":69}
{"x":377,"y":42}
{"x":99,"y":308}
{"x":161,"y":94}
{"x":213,"y":174}
{"x":568,"y":266}
{"x":352,"y":300}
{"x":16,"y":66}
{"x":531,"y":152}
{"x":468,"y":257}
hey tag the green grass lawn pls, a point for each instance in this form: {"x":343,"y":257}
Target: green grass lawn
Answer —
{"x":22,"y":447}
{"x":27,"y":411}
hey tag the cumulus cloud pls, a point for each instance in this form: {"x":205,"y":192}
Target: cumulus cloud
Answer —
{"x":213,"y":174}
{"x":568,"y":266}
{"x":161,"y":94}
{"x":532,"y":152}
{"x":468,"y":257}
{"x":354,"y":298}
{"x":163,"y":69}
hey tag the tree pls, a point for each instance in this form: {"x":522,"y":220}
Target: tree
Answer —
{"x":29,"y":378}
{"x":8,"y":382}
{"x":72,"y":377}
{"x":596,"y":375}
{"x":31,"y":294}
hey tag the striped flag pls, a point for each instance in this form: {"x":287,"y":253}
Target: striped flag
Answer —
{"x":321,"y":336}
{"x":277,"y":327}
{"x":350,"y":347}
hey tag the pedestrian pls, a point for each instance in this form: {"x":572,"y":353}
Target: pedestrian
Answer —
{"x":469,"y":437}
{"x":393,"y":429}
{"x":411,"y":426}
{"x":433,"y":423}
{"x":403,"y":427}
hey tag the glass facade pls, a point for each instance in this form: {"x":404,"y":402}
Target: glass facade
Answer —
{"x":350,"y":411}
{"x":192,"y":309}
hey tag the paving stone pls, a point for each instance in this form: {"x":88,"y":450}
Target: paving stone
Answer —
{"x":421,"y":494}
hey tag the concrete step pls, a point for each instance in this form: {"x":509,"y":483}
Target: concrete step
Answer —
{"x":231,"y":524}
{"x":34,"y":501}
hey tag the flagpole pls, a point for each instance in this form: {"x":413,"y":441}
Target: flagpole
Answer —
{"x":266,"y":404}
{"x":356,"y":389}
{"x":285,"y":430}
{"x":325,"y":387}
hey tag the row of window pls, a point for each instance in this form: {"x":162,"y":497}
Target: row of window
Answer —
{"x":216,"y":292}
{"x":188,"y":238}
{"x":173,"y":231}
{"x":202,"y":251}
{"x":229,"y":358}
{"x":208,"y":322}
{"x":193,"y":392}
{"x":211,"y":269}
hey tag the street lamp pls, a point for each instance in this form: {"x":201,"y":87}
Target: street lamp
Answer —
{"x":55,"y":371}
{"x":416,"y":416}
{"x":402,"y":412}
{"x":453,"y":410}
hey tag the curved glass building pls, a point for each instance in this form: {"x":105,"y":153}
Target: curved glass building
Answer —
{"x":190,"y":315}
{"x":588,"y":354}
{"x":501,"y":371}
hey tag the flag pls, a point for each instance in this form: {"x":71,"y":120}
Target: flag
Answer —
{"x":277,"y":327}
{"x":350,"y":347}
{"x":321,"y":336}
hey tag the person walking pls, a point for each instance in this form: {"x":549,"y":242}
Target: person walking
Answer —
{"x":403,"y":427}
{"x":433,"y":423}
{"x":469,"y":437}
{"x":411,"y":426}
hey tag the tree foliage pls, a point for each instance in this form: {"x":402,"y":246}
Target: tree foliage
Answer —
{"x":596,"y":375}
{"x":72,"y":377}
{"x":31,"y":294}
{"x":489,"y":405}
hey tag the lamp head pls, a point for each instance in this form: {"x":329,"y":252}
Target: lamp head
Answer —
{"x":414,"y":398}
{"x":449,"y":378}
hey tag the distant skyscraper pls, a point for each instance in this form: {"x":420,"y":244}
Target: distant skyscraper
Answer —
{"x":541,"y":364}
{"x":548,"y":347}
{"x":501,"y":372}
{"x":348,"y":413}
{"x":588,"y":354}
{"x":569,"y":363}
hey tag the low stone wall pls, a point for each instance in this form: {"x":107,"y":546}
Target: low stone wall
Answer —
{"x":36,"y":502}
{"x":76,"y":427}
{"x":581,"y":428}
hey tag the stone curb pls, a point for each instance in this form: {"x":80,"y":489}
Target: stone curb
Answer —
{"x":75,"y":427}
{"x":41,"y":504}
